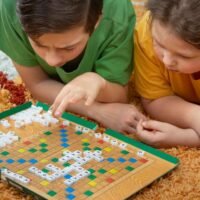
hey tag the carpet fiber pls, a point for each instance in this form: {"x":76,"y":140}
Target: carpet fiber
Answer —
{"x":183,"y":183}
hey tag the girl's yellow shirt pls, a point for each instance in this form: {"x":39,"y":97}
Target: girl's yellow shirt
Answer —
{"x":152,"y":79}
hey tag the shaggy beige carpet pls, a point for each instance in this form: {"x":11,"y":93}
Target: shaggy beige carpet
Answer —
{"x":183,"y":183}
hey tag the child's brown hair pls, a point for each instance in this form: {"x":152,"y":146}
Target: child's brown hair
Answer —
{"x":183,"y":16}
{"x":55,"y":16}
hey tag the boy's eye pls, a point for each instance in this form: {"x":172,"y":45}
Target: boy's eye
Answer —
{"x":40,"y":46}
{"x":68,"y":49}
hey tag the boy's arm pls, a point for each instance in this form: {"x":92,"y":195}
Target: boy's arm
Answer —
{"x":113,"y":92}
{"x":121,"y":117}
{"x":174,"y":110}
{"x":39,"y":84}
{"x":45,"y":89}
{"x":88,"y":87}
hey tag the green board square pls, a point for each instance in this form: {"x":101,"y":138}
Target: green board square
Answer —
{"x":45,"y":170}
{"x":91,"y":170}
{"x":51,"y":193}
{"x":97,"y":149}
{"x":86,"y":149}
{"x":55,"y":160}
{"x":88,"y":193}
{"x":129,"y":168}
{"x":92,"y":177}
{"x":66,"y":165}
{"x":48,"y":133}
{"x":79,"y":132}
{"x":43,"y":145}
{"x":102,"y":171}
{"x":32,"y":150}
{"x":86,"y":144}
{"x":43,"y":150}
{"x":125,"y":152}
{"x":5,"y":153}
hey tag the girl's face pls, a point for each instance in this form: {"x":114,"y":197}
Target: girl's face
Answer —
{"x":175,"y":53}
{"x":59,"y":48}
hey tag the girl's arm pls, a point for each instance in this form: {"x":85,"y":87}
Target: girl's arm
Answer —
{"x":174,"y":110}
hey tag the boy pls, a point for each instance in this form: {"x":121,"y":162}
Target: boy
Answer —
{"x":75,"y":54}
{"x":167,"y":61}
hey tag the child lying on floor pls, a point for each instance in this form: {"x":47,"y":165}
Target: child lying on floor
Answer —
{"x":167,"y":66}
{"x":74,"y":54}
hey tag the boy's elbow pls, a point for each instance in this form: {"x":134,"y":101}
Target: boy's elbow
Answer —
{"x":124,"y":98}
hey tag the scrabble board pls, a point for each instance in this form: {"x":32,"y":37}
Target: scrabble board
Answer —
{"x":67,"y":158}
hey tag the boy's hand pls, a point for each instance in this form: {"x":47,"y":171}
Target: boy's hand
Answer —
{"x":119,"y":117}
{"x":85,"y":87}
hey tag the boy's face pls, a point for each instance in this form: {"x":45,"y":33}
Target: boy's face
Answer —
{"x":59,"y":48}
{"x":175,"y":53}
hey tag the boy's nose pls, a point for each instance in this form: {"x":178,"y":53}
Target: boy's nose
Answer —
{"x":53,"y":59}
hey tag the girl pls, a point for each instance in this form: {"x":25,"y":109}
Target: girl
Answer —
{"x":167,"y":66}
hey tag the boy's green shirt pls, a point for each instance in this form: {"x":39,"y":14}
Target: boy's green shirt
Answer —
{"x":108,"y":52}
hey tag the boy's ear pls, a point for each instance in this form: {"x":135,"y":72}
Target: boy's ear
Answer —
{"x":98,"y":21}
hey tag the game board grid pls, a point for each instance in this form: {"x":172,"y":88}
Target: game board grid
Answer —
{"x":73,"y":145}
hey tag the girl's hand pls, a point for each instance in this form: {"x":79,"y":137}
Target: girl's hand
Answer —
{"x":160,"y":134}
